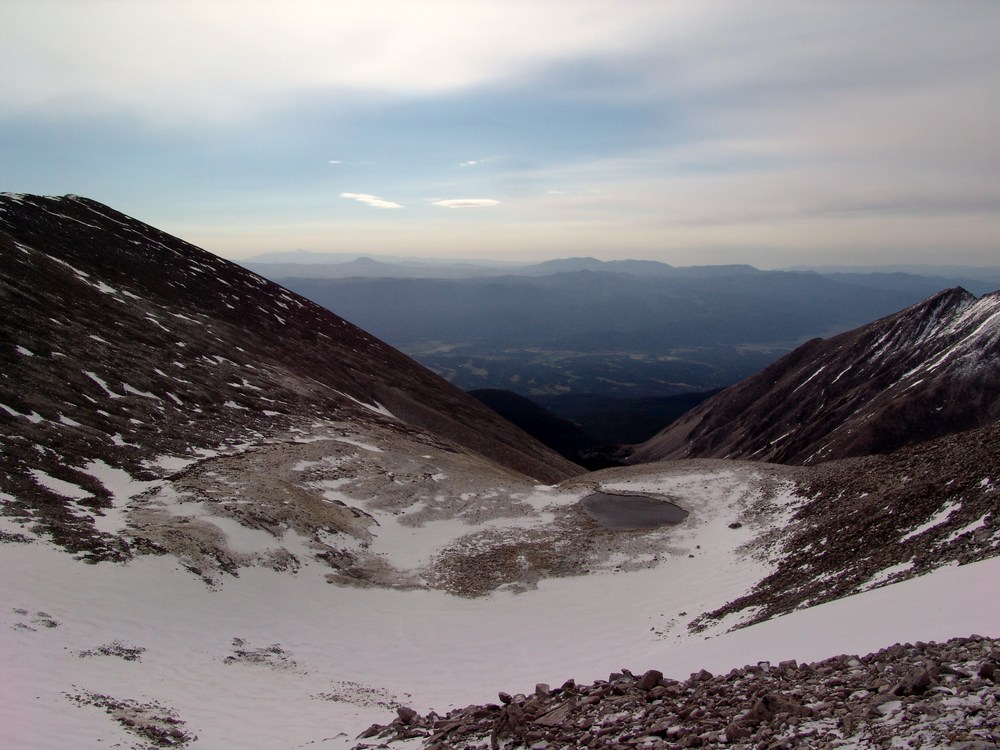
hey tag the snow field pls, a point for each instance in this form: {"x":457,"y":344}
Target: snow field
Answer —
{"x":421,"y":648}
{"x":275,"y":660}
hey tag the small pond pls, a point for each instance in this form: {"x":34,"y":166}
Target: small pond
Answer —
{"x":631,"y":511}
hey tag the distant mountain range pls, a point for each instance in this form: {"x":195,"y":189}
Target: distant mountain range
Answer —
{"x":964,"y":275}
{"x":601,"y":311}
{"x":930,"y":370}
{"x":305,"y":264}
{"x":624,"y":329}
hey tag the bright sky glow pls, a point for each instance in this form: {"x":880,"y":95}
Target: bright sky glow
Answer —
{"x":689,"y":132}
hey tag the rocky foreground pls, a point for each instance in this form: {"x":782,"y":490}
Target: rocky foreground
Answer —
{"x":906,"y":696}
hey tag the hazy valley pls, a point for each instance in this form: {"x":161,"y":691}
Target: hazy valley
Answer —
{"x":604,"y":344}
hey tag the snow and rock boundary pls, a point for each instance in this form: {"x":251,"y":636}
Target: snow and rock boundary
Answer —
{"x":903,"y":696}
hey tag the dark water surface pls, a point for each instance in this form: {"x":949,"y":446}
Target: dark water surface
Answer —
{"x":631,"y":511}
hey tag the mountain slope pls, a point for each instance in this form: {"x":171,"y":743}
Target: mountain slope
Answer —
{"x":929,"y":370}
{"x":122,"y":345}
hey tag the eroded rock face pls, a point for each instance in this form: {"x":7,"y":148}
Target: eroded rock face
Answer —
{"x":907,"y":695}
{"x":927,"y":371}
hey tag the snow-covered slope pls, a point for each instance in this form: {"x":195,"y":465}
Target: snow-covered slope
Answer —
{"x":272,"y":661}
{"x":927,"y":371}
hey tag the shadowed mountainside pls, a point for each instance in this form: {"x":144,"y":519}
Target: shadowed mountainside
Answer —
{"x":561,"y":435}
{"x":927,"y":371}
{"x":122,"y":344}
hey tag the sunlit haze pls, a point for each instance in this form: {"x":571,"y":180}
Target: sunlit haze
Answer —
{"x":770,"y":133}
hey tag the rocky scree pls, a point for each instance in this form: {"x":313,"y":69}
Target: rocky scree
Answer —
{"x":904,"y":696}
{"x":925,"y":506}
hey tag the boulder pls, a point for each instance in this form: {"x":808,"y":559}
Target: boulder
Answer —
{"x":650,"y":680}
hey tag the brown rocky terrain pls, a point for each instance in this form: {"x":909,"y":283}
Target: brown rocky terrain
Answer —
{"x":927,"y":371}
{"x":122,"y":344}
{"x":930,"y":695}
{"x":924,"y":506}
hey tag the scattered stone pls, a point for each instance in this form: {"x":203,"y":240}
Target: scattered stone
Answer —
{"x":736,"y":732}
{"x":769,"y":706}
{"x":116,"y":648}
{"x":273,"y":656}
{"x":841,"y":702}
{"x":156,"y":724}
{"x":650,"y":680}
{"x":556,"y":717}
{"x":916,"y":683}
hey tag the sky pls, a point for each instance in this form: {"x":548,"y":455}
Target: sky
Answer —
{"x":689,"y":132}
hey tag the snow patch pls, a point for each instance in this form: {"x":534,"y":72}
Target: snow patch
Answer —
{"x":937,"y":519}
{"x":93,"y":376}
{"x":60,"y":486}
{"x":376,"y":407}
{"x":122,"y":487}
{"x":34,"y":417}
{"x":359,"y":444}
{"x":136,"y":392}
{"x":105,"y":289}
{"x":979,"y":523}
{"x":887,"y":574}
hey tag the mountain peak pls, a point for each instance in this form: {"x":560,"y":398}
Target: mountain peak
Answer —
{"x":926,"y":371}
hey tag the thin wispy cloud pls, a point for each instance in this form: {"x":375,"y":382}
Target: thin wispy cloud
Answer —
{"x":466,"y":203}
{"x":371,"y":200}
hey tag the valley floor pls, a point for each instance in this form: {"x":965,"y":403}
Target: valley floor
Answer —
{"x":128,"y":655}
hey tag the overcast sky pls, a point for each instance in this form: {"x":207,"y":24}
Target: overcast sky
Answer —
{"x":771,"y":133}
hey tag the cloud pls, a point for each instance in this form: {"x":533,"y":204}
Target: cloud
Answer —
{"x":707,"y":123}
{"x":207,"y":59}
{"x":466,"y":203}
{"x":371,"y":200}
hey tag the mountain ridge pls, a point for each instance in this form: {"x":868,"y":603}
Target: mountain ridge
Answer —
{"x":926,"y":371}
{"x":124,"y":343}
